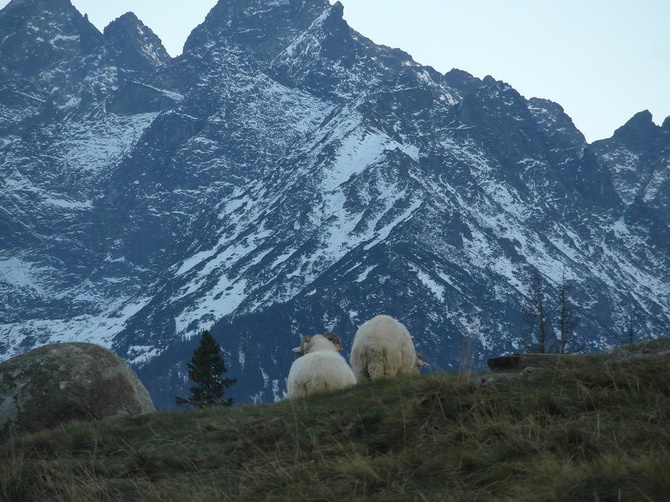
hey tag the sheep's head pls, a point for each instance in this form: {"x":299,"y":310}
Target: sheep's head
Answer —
{"x":309,"y":341}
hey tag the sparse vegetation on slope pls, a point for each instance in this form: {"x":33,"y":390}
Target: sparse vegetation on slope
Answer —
{"x":590,"y":429}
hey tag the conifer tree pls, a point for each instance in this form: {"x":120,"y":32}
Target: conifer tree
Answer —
{"x":205,"y":370}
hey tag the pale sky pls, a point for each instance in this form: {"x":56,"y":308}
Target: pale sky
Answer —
{"x":602,"y":60}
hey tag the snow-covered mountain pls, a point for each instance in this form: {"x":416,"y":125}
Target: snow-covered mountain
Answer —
{"x":285,"y":175}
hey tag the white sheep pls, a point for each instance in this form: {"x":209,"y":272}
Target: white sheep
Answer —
{"x":320,"y":367}
{"x":383,"y":348}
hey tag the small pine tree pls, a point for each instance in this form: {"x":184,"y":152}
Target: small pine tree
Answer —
{"x":205,"y":370}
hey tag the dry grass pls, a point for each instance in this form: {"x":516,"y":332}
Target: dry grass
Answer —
{"x":588,"y":431}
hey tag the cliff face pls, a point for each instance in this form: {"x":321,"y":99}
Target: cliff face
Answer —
{"x":285,"y":176}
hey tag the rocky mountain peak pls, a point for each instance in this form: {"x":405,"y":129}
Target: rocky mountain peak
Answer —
{"x":263,"y":28}
{"x":132,"y":45}
{"x":332,"y":60}
{"x":461,"y":82}
{"x":638,"y":154}
{"x":42,"y":32}
{"x":47,"y":6}
{"x":497,"y":109}
{"x":638,"y":132}
{"x":336,"y":34}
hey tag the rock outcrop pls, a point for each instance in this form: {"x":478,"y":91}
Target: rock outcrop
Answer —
{"x":62,"y":382}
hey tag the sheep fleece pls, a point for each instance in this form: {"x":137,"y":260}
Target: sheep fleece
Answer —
{"x":318,"y":371}
{"x":382,"y":348}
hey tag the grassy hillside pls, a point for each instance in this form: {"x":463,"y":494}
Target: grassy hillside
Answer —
{"x":590,"y":429}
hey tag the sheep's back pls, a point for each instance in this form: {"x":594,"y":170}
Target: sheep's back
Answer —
{"x":317,"y":372}
{"x":382,"y":348}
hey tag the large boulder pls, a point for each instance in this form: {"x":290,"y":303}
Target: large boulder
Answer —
{"x":61,"y":382}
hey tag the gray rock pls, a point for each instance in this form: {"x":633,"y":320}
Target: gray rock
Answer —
{"x":57,"y":383}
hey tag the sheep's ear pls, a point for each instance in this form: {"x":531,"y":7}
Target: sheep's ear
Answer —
{"x":419,"y":361}
{"x":335,"y":339}
{"x":297,"y":350}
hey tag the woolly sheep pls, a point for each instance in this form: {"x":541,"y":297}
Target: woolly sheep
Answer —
{"x":383,"y":348}
{"x":320,"y":367}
